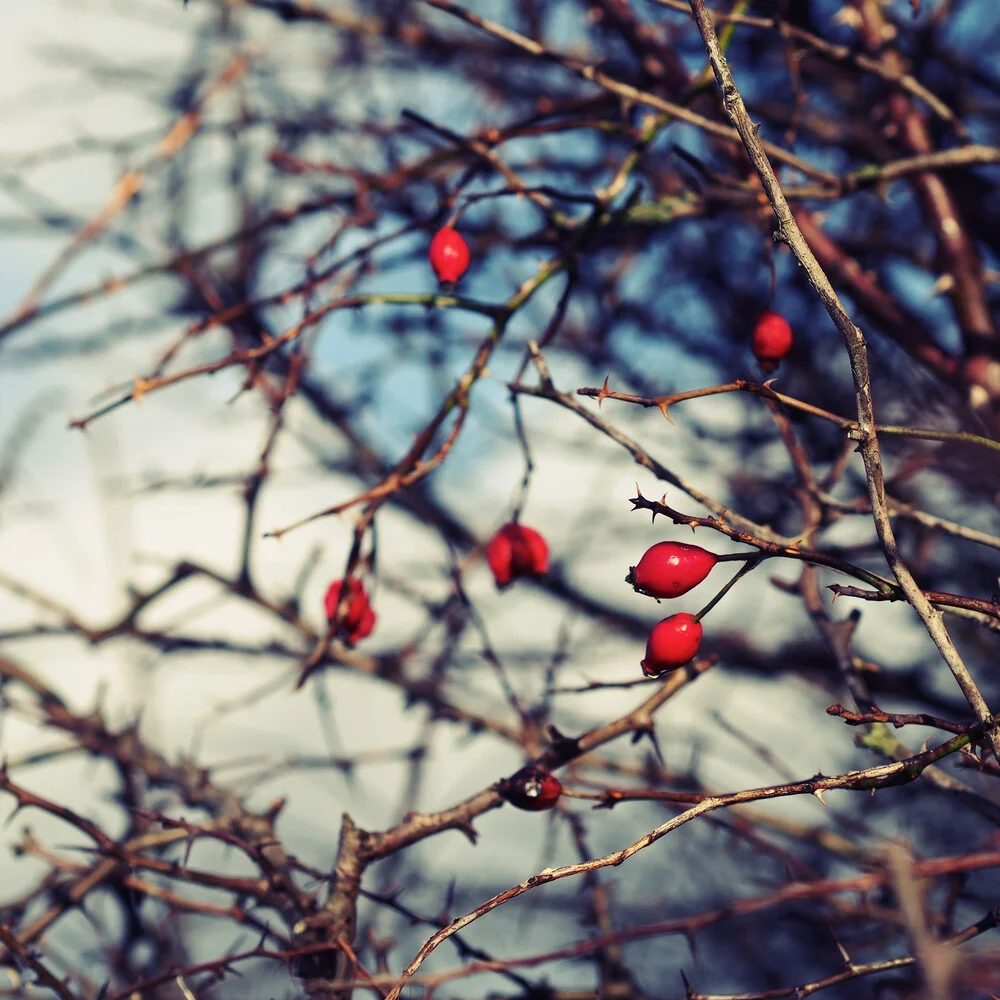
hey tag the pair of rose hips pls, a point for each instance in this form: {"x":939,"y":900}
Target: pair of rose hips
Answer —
{"x":671,"y":569}
{"x":772,"y":336}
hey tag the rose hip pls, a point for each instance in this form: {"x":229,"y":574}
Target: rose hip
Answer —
{"x":670,"y":569}
{"x":532,"y":788}
{"x":772,"y":339}
{"x":516,"y":551}
{"x":672,"y":643}
{"x":449,"y":255}
{"x":359,"y":619}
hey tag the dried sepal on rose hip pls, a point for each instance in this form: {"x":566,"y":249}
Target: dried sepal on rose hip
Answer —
{"x":772,"y":339}
{"x":673,"y":643}
{"x":449,"y":255}
{"x":359,"y":619}
{"x":516,"y":551}
{"x":671,"y":569}
{"x":532,"y":788}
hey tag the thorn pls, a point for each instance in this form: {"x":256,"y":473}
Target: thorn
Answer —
{"x":469,"y":830}
{"x":663,"y":407}
{"x":819,"y":795}
{"x":843,"y":951}
{"x":651,"y":733}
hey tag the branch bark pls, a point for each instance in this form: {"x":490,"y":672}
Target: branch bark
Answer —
{"x":788,"y":232}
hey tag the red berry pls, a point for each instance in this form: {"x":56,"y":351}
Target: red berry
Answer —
{"x":517,"y":551}
{"x":670,"y":569}
{"x":772,"y":339}
{"x":671,"y":644}
{"x":532,"y":788}
{"x":449,"y":255}
{"x":359,"y":619}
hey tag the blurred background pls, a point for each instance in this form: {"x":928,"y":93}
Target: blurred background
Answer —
{"x":180,"y":184}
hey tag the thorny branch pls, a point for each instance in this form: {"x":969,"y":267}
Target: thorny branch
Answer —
{"x":604,"y":239}
{"x":788,"y":232}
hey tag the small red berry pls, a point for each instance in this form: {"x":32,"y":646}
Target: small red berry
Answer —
{"x":532,"y":788}
{"x":449,"y":255}
{"x":671,"y":644}
{"x":670,"y":569}
{"x":359,"y":619}
{"x":517,"y":551}
{"x":772,"y":339}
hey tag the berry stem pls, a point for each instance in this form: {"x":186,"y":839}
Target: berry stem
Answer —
{"x":735,"y":556}
{"x":750,"y":564}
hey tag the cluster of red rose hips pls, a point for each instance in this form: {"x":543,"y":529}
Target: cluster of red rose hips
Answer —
{"x":667,"y":570}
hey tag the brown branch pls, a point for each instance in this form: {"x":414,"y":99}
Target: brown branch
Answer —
{"x":957,"y":251}
{"x":128,"y":187}
{"x":663,"y":403}
{"x":633,"y":94}
{"x":26,"y":955}
{"x":896,"y":719}
{"x":836,"y":53}
{"x":870,"y":779}
{"x":790,"y":233}
{"x":989,"y":608}
{"x":658,"y":469}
